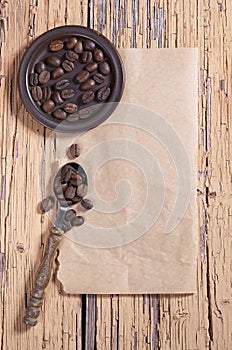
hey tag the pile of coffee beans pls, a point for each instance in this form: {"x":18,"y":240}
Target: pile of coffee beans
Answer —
{"x":73,"y":74}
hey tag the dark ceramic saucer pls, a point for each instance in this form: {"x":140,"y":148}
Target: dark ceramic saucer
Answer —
{"x":38,"y":51}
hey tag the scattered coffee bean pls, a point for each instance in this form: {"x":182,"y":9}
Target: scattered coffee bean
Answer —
{"x":56,"y":45}
{"x":87,"y":204}
{"x":78,"y":48}
{"x":104,"y":68}
{"x":74,"y":151}
{"x":73,"y":117}
{"x":70,"y":214}
{"x":66,"y":226}
{"x":87,"y":97}
{"x":88,"y":84}
{"x":71,"y":42}
{"x":70,"y":192}
{"x":67,"y":93}
{"x":98,"y":55}
{"x":46,"y":92}
{"x":57,"y":73}
{"x":89,"y":45}
{"x":91,"y":67}
{"x":62,"y":84}
{"x":77,"y":221}
{"x":53,"y":61}
{"x":85,"y":113}
{"x":46,"y":204}
{"x":37,"y":93}
{"x":82,"y":76}
{"x":103,"y":93}
{"x":57,"y":98}
{"x":86,"y":56}
{"x":59,"y":114}
{"x":44,"y":77}
{"x":70,"y":108}
{"x":71,"y":56}
{"x":40,"y":67}
{"x":81,"y":190}
{"x":48,"y":106}
{"x":34,"y":79}
{"x":99,"y":78}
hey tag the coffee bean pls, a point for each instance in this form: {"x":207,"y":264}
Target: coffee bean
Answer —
{"x":59,"y":114}
{"x":73,"y":117}
{"x":73,"y":182}
{"x":98,"y":78}
{"x":46,"y":204}
{"x":62,"y":84}
{"x":71,"y":56}
{"x":104,"y":68}
{"x":65,"y":203}
{"x":77,"y":221}
{"x":74,"y":151}
{"x":88,"y":84}
{"x":57,"y":73}
{"x":103,"y":93}
{"x":37,"y":93}
{"x":66,"y":173}
{"x":57,"y":98}
{"x":33,"y":79}
{"x":64,"y":187}
{"x":98,"y":55}
{"x":78,"y":48}
{"x":67,"y":93}
{"x":56,"y":45}
{"x":70,"y":192}
{"x":40,"y":67}
{"x":53,"y":61}
{"x":76,"y":199}
{"x":71,"y":42}
{"x":46,"y":92}
{"x":89,"y":45}
{"x":66,"y":226}
{"x":70,"y":108}
{"x":86,"y":56}
{"x":87,"y":97}
{"x":91,"y":67}
{"x":60,"y":195}
{"x":70,"y":214}
{"x":48,"y":106}
{"x":85,"y":113}
{"x":57,"y":185}
{"x":44,"y":77}
{"x":81,"y":190}
{"x":87,"y":204}
{"x":68,"y":66}
{"x":76,"y":176}
{"x":82,"y":76}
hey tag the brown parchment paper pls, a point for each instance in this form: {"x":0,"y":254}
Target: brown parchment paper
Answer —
{"x":118,"y":250}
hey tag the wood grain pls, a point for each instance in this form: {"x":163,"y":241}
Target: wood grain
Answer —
{"x":195,"y":322}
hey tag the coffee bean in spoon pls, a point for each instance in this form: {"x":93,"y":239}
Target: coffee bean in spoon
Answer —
{"x":62,"y":84}
{"x":81,"y":190}
{"x":86,"y":56}
{"x":40,"y":67}
{"x":34,"y":79}
{"x":70,"y":192}
{"x":60,"y":114}
{"x":104,"y":68}
{"x":82,"y":76}
{"x":46,"y":204}
{"x":71,"y":42}
{"x":68,"y":65}
{"x":53,"y":61}
{"x":56,"y":45}
{"x":77,"y":221}
{"x":87,"y":97}
{"x":76,"y":199}
{"x":103,"y":93}
{"x":87,"y":204}
{"x":74,"y":151}
{"x":66,"y":174}
{"x":48,"y":106}
{"x":57,"y":98}
{"x":44,"y":77}
{"x":71,"y":56}
{"x":37,"y":93}
{"x":87,"y":85}
{"x":57,"y":73}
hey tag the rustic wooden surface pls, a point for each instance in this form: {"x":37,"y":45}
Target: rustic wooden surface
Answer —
{"x":195,"y":322}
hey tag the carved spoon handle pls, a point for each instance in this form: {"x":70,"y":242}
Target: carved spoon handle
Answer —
{"x":42,"y":278}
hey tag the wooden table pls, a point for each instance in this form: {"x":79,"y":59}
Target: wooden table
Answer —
{"x":187,"y":322}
